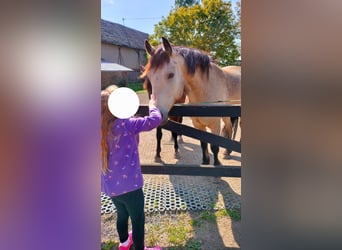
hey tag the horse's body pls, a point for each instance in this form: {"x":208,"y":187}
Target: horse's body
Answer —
{"x":234,"y":91}
{"x":174,"y":70}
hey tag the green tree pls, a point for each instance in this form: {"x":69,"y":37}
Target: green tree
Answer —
{"x":211,"y":26}
{"x":185,"y":3}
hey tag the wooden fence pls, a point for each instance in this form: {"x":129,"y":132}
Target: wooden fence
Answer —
{"x":209,"y":110}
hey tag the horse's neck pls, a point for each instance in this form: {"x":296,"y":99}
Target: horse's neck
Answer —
{"x":195,"y":90}
{"x":201,"y":88}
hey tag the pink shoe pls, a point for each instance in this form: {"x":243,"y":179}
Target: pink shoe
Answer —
{"x":130,"y":242}
{"x":153,"y":248}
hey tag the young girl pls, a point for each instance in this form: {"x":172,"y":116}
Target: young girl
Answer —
{"x":121,"y":176}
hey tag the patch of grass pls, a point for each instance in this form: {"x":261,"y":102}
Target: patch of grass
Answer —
{"x":208,"y":216}
{"x":193,"y":244}
{"x":109,"y":245}
{"x":136,"y":86}
{"x":154,"y":232}
{"x":179,"y":232}
{"x":177,"y":235}
{"x":222,"y":213}
{"x":212,"y":216}
{"x":234,"y":214}
{"x":196,"y":222}
{"x":212,"y":205}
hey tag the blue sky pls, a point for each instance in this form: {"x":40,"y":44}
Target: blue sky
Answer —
{"x":141,"y":15}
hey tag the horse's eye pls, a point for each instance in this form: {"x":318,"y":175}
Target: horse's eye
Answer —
{"x":170,"y":75}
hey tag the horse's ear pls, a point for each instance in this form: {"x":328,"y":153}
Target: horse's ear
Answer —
{"x":167,"y":46}
{"x":149,"y":48}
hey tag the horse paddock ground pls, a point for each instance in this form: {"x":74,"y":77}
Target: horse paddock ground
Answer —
{"x":198,"y":220}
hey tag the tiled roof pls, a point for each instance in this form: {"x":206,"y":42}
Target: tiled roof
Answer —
{"x":117,"y":34}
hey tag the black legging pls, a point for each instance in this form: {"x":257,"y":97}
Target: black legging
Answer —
{"x":131,"y":205}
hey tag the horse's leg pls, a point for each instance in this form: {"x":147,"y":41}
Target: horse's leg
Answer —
{"x":234,"y":121}
{"x":215,"y":129}
{"x":227,"y":132}
{"x":215,"y":149}
{"x":205,"y":153}
{"x":174,"y":137}
{"x":180,"y":120}
{"x":159,"y":137}
{"x":240,"y":129}
{"x":204,"y":145}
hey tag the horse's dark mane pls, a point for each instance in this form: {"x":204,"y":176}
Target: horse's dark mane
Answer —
{"x":158,"y":59}
{"x":193,"y":58}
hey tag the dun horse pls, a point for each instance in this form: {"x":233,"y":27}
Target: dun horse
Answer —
{"x":179,"y":119}
{"x":173,"y":70}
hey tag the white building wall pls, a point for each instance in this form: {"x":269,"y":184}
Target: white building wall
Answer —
{"x":125,"y":56}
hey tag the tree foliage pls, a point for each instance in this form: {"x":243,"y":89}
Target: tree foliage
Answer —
{"x":211,"y":26}
{"x":185,"y":3}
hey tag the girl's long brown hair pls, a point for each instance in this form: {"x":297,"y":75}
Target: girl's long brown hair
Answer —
{"x":106,"y":120}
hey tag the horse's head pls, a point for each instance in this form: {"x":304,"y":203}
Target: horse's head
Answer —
{"x":164,"y":70}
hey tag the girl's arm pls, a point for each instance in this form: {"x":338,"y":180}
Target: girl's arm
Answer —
{"x":149,"y":122}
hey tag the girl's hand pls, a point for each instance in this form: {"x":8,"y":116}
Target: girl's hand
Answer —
{"x":152,"y":102}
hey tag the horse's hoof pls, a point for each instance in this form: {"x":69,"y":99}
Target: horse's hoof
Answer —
{"x":205,"y":162}
{"x":157,"y":158}
{"x":227,"y":152}
{"x":177,"y":156}
{"x":227,"y":156}
{"x":217,"y":163}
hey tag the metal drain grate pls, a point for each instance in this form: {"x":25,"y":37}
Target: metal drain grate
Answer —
{"x":180,"y":193}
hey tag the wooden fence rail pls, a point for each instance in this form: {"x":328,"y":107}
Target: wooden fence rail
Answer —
{"x":211,"y":110}
{"x":192,"y":169}
{"x":203,"y":136}
{"x":208,"y":110}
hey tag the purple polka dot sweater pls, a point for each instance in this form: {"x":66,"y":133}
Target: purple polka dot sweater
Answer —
{"x":124,"y":171}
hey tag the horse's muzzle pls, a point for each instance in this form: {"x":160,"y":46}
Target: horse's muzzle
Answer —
{"x":165,"y":115}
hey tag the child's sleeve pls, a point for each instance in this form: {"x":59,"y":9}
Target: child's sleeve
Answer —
{"x":146,"y":123}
